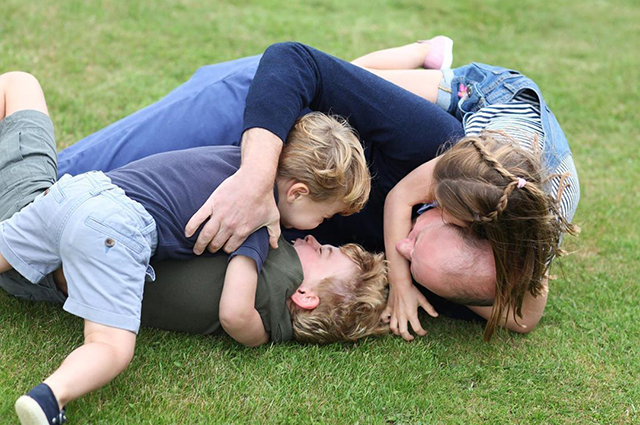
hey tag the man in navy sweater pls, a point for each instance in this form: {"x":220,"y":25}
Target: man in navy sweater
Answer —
{"x":399,"y":130}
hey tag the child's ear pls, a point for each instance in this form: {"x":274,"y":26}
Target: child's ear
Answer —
{"x":305,"y":299}
{"x":297,"y":191}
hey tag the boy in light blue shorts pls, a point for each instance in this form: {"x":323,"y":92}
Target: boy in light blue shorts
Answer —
{"x":87,"y":240}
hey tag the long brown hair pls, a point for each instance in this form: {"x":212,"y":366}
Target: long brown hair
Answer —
{"x":498,"y":188}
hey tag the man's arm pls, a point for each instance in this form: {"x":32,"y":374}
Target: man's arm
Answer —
{"x":399,"y":128}
{"x":238,"y":315}
{"x":399,"y":124}
{"x":532,"y":310}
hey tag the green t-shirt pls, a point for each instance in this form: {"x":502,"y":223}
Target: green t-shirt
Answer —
{"x":186,"y":294}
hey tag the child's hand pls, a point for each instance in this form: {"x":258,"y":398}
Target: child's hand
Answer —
{"x":402,"y":308}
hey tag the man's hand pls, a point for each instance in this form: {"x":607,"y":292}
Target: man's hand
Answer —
{"x":234,"y":210}
{"x":244,"y":202}
{"x":402,"y":308}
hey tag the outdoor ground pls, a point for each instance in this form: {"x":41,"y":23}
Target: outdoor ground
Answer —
{"x":99,"y":61}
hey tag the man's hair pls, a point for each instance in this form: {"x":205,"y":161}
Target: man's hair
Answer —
{"x":349,"y":309}
{"x":497,"y":187}
{"x":469,"y":275}
{"x":324,"y":153}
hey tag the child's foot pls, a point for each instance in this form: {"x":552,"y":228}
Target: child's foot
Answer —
{"x":40,"y":407}
{"x":441,"y":53}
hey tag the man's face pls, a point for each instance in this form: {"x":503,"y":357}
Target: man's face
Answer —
{"x":436,"y":247}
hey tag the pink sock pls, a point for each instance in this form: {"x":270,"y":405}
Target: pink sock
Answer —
{"x":440,"y":54}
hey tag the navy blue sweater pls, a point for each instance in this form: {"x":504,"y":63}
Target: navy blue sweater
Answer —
{"x":399,"y":130}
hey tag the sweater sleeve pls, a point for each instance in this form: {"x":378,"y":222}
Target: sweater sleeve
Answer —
{"x":256,"y":246}
{"x":396,"y":123}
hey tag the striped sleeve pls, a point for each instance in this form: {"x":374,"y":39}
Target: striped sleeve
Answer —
{"x":520,"y":119}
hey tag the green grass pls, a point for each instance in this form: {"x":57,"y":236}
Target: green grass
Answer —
{"x":99,"y":61}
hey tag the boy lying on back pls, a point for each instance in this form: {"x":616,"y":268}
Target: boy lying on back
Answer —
{"x":96,"y":233}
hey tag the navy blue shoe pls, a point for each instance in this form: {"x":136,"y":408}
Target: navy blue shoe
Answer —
{"x":40,"y":407}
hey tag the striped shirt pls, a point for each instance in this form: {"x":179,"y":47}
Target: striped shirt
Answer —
{"x":520,"y":119}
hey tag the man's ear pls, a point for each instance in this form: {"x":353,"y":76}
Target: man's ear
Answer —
{"x":296,"y":191}
{"x":305,"y":299}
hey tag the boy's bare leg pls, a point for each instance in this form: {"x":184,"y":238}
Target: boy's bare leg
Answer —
{"x":20,"y":91}
{"x":105,"y":354}
{"x":4,"y":264}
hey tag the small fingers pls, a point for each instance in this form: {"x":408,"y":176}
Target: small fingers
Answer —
{"x":428,"y":308}
{"x":385,"y":317}
{"x":403,"y":330}
{"x":393,"y":325}
{"x":417,"y":326}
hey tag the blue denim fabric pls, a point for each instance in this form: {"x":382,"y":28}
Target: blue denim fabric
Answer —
{"x":490,"y":85}
{"x":103,"y":238}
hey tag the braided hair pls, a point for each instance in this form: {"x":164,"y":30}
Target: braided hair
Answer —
{"x":497,"y":188}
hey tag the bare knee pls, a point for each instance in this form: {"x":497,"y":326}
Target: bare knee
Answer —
{"x":120,"y":343}
{"x":20,"y":90}
{"x":18,"y":79}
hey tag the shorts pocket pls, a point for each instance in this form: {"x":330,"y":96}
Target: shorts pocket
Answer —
{"x":10,"y":149}
{"x":121,"y":234}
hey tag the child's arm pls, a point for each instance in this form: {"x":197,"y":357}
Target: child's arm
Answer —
{"x":404,"y":297}
{"x":238,"y":315}
{"x":532,"y":309}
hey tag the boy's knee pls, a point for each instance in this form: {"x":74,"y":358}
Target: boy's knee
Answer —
{"x":120,"y":342}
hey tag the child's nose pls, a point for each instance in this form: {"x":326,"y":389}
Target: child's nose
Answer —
{"x":310,"y":240}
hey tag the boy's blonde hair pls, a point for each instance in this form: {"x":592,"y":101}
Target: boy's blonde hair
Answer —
{"x":348,"y":310}
{"x":324,"y":153}
{"x":497,"y":187}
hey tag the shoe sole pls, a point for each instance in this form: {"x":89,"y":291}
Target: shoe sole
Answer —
{"x":29,"y":412}
{"x":448,"y":56}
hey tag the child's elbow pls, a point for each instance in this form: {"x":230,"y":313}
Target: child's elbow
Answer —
{"x":525,"y":326}
{"x":234,"y":318}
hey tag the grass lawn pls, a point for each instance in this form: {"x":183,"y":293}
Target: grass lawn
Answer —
{"x":100,"y":60}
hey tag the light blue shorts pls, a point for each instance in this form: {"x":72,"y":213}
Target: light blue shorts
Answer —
{"x":103,"y":239}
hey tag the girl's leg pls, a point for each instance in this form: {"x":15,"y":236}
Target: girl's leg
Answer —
{"x":206,"y":110}
{"x":436,"y":53}
{"x":421,"y":82}
{"x":398,"y":65}
{"x":105,"y":354}
{"x":410,"y":56}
